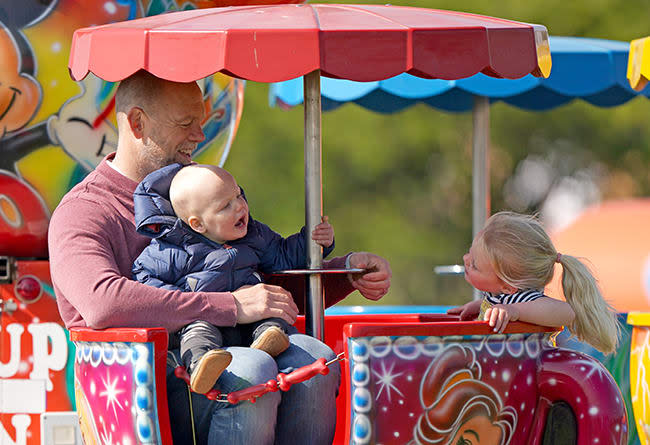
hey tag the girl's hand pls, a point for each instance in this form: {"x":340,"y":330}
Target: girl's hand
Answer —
{"x":498,"y":316}
{"x":468,"y":311}
{"x":323,"y":233}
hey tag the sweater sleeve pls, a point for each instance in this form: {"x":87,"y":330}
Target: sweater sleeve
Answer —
{"x":91,"y":291}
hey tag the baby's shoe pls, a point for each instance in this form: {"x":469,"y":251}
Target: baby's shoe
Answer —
{"x":272,"y":340}
{"x":205,"y":372}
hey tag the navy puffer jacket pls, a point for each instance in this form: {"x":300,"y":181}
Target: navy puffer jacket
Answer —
{"x":180,"y":258}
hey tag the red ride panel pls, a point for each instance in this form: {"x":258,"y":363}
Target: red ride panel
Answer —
{"x":23,"y":218}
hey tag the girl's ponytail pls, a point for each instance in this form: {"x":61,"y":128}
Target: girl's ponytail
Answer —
{"x":595,"y":320}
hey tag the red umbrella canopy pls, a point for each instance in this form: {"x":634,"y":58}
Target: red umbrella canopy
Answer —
{"x":281,"y":42}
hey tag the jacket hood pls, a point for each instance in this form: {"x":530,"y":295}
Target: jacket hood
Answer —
{"x":154,"y":214}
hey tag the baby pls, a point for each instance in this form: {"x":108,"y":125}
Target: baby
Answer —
{"x":511,"y":260}
{"x":204,"y":239}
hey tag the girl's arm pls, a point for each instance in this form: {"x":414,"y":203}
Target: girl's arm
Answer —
{"x":468,"y":311}
{"x":544,"y":311}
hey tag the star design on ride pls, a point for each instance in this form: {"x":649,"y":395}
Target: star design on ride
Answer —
{"x":111,"y":392}
{"x":386,"y":380}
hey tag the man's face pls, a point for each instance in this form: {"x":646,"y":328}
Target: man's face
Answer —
{"x":225,"y":215}
{"x":173,"y":126}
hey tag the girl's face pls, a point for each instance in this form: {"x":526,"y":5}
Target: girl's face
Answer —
{"x":479,"y":272}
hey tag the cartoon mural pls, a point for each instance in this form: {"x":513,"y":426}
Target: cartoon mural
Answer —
{"x":53,"y":131}
{"x":459,"y":406}
{"x":477,"y":390}
{"x":20,"y":92}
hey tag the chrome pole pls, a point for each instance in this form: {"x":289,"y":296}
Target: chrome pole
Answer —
{"x":480,"y":166}
{"x":314,"y":310}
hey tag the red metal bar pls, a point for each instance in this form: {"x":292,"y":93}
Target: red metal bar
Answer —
{"x":253,"y":392}
{"x":301,"y":374}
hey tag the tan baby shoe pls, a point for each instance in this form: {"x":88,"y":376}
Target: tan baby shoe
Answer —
{"x":273,"y":341}
{"x":208,"y":369}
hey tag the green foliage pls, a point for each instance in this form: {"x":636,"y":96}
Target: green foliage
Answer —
{"x":400,"y":185}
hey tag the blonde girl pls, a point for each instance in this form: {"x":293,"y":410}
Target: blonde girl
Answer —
{"x":511,"y":260}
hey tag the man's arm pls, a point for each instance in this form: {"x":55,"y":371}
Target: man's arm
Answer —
{"x":93,"y":292}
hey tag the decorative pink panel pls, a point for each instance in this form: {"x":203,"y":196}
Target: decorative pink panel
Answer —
{"x":114,"y":389}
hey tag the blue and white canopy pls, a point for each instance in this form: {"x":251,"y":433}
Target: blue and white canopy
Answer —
{"x":593,"y":70}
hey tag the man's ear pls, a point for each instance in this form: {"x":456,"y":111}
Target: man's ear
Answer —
{"x":196,"y":224}
{"x":136,"y":120}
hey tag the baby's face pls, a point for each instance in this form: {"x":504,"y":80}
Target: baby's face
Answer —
{"x":225,"y":214}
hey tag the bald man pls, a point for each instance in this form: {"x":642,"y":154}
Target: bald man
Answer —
{"x":216,"y":248}
{"x":93,"y":243}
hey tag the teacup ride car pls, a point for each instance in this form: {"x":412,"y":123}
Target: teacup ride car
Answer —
{"x":408,"y":378}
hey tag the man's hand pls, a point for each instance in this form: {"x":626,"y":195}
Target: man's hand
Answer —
{"x":323,"y":233}
{"x":261,"y":301}
{"x":499,"y":315}
{"x":468,"y":311}
{"x":375,"y":282}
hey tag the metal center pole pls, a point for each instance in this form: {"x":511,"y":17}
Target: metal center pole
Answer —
{"x":314,"y":310}
{"x":480,"y":167}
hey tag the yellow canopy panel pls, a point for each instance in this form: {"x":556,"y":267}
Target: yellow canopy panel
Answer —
{"x":638,"y":64}
{"x":638,"y":318}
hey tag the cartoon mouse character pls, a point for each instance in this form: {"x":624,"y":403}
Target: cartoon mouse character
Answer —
{"x":78,"y":121}
{"x":81,"y":127}
{"x":20,"y":93}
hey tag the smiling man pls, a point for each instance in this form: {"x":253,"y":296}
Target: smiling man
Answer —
{"x":158,"y":122}
{"x":93,"y":243}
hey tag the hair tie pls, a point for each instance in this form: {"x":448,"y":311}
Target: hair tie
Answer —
{"x":558,"y":257}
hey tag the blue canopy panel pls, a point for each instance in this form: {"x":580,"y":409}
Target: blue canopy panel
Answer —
{"x":592,"y":70}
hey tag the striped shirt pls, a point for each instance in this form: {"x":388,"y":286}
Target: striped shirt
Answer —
{"x":522,"y":296}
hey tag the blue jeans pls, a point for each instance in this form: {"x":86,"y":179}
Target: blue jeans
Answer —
{"x":199,"y":337}
{"x":306,"y":414}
